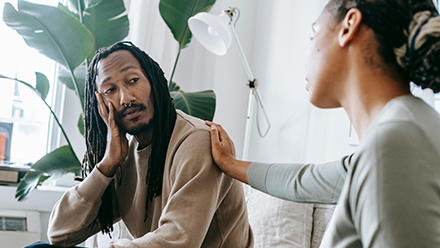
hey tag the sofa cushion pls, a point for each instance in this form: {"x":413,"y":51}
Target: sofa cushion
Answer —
{"x":278,"y":223}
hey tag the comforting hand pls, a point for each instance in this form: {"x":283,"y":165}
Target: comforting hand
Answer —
{"x":223,"y":152}
{"x":117,"y":143}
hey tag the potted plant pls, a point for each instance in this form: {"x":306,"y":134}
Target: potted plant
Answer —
{"x":70,"y":35}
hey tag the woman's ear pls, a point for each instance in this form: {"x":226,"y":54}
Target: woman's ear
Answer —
{"x":349,"y":26}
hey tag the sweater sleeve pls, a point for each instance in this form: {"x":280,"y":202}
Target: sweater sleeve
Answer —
{"x":304,"y":183}
{"x":198,"y":188}
{"x":74,"y":216}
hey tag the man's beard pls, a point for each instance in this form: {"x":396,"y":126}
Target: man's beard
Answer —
{"x":138,"y":129}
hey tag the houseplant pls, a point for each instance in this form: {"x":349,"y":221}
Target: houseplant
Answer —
{"x":69,"y":36}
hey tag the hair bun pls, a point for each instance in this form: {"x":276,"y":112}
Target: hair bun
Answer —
{"x":423,"y":57}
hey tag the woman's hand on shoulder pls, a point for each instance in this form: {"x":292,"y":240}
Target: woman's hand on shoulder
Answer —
{"x":223,"y":153}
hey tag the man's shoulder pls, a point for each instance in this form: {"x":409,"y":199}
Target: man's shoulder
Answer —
{"x":189,"y":123}
{"x":189,"y":128}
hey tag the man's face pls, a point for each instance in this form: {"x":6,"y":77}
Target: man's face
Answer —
{"x":121,"y":81}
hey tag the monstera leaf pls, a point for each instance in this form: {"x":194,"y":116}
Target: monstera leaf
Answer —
{"x":56,"y":163}
{"x":176,"y":13}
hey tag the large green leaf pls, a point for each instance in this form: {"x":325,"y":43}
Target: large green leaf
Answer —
{"x":199,"y":104}
{"x":56,"y":163}
{"x":176,"y":14}
{"x":52,"y":31}
{"x":107,"y":21}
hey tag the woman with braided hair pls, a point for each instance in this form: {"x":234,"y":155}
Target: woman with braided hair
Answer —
{"x":363,"y":57}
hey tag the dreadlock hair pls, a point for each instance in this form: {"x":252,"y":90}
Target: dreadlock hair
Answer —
{"x":96,"y":130}
{"x":408,"y":33}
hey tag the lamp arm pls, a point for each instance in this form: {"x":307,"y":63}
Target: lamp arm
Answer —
{"x":247,"y":134}
{"x":253,"y":92}
{"x":242,"y":56}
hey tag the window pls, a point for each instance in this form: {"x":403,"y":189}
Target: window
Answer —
{"x":20,"y":108}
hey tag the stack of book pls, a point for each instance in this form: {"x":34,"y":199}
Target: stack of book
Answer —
{"x":11,"y":174}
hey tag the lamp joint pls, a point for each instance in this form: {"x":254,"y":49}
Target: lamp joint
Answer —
{"x":230,"y":12}
{"x":253,"y":84}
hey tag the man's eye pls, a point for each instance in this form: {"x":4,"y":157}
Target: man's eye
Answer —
{"x":109,"y":91}
{"x":134,"y":80}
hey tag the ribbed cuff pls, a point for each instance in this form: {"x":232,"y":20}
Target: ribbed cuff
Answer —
{"x":256,"y":175}
{"x":92,"y":188}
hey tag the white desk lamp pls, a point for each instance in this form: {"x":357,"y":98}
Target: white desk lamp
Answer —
{"x":214,"y":33}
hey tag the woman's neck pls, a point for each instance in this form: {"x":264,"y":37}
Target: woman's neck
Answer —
{"x":367,"y":95}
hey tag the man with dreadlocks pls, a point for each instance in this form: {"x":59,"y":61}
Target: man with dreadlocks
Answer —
{"x":163,"y":182}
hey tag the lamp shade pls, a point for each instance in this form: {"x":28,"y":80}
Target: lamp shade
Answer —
{"x":211,"y":31}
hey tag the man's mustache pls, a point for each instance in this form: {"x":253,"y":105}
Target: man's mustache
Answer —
{"x":141,"y":107}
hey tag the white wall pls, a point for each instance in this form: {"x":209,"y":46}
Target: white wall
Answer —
{"x":41,"y":201}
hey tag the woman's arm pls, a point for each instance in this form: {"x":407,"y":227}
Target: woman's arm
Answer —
{"x":295,"y":182}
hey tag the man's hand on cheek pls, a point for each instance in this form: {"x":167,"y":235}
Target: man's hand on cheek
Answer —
{"x":117,"y":143}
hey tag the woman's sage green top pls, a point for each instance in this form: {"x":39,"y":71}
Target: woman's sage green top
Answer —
{"x":387,"y":192}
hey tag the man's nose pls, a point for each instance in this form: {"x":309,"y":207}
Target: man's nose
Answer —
{"x":126,"y":96}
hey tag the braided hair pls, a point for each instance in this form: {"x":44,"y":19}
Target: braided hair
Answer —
{"x":96,"y":130}
{"x":408,"y":33}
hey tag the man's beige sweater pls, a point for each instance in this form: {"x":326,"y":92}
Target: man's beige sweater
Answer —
{"x":199,"y":205}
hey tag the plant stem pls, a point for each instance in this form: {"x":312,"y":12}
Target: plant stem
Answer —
{"x":50,"y":109}
{"x":75,"y":83}
{"x":174,"y":68}
{"x":80,"y":11}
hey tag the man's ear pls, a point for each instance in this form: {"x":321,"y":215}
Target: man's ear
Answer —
{"x":349,"y":26}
